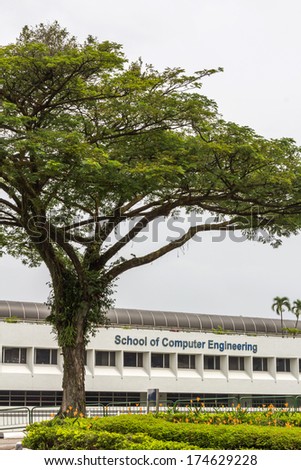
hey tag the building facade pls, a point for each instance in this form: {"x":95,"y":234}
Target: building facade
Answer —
{"x":217,"y":358}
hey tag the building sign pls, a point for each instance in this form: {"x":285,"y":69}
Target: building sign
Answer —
{"x":182,"y":345}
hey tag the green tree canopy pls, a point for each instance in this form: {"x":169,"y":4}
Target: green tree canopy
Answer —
{"x":91,"y":143}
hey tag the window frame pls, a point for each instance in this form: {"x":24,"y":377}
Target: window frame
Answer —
{"x":53,"y":357}
{"x":286,"y":364}
{"x":216,"y":362}
{"x":22,"y":355}
{"x":138,"y":358}
{"x":111,"y":358}
{"x":240,"y":363}
{"x":165,"y":364}
{"x":190,"y":359}
{"x":263,"y":364}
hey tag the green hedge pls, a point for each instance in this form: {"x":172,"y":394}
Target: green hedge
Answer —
{"x":221,"y":436}
{"x":60,"y":437}
{"x":149,"y":433}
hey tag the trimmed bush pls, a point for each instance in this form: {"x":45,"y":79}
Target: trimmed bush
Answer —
{"x":72,"y":438}
{"x":148,"y":432}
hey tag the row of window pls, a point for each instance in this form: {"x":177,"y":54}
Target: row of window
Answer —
{"x":11,"y":355}
{"x":187,"y":361}
{"x":54,"y":398}
{"x":19,"y":356}
{"x":282,"y":364}
{"x":218,"y":400}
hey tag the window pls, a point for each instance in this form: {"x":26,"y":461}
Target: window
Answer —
{"x":212,"y":362}
{"x":14,"y":355}
{"x":46,"y":356}
{"x":236,"y":363}
{"x":278,"y":402}
{"x":118,"y":398}
{"x":160,"y":360}
{"x":260,"y":364}
{"x":186,"y":361}
{"x":299,"y":365}
{"x":132,"y":359}
{"x":283,"y":365}
{"x":105,"y":358}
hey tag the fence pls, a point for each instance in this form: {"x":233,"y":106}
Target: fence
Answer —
{"x":14,"y":418}
{"x":19,"y":418}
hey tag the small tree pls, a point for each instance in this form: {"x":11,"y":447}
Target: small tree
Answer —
{"x":280,"y":305}
{"x":95,"y":150}
{"x":296,"y":309}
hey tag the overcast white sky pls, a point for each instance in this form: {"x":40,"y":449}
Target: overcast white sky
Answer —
{"x":258,"y":44}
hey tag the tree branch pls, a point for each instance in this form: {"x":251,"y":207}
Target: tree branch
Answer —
{"x":10,"y":205}
{"x":142,"y":260}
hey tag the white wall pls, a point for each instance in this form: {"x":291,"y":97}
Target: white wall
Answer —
{"x":31,"y":376}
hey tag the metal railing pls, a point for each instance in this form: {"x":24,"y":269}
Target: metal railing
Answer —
{"x":14,"y":418}
{"x":20,"y":417}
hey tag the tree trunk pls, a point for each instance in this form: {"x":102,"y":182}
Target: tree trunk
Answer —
{"x":76,"y":308}
{"x":74,"y":399}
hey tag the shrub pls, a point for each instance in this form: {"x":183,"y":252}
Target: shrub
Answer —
{"x":148,"y":432}
{"x":59,"y":437}
{"x":269,"y":416}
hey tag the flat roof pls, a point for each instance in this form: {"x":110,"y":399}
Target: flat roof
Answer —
{"x":154,"y":319}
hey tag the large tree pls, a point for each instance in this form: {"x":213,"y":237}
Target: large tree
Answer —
{"x":94,"y":150}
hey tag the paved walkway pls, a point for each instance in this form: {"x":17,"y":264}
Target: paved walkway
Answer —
{"x":8,"y":440}
{"x":8,"y":444}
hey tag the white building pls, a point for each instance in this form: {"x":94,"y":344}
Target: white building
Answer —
{"x":184,"y":355}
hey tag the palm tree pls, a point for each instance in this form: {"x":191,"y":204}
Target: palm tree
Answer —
{"x":296,"y":309}
{"x":279,"y":305}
